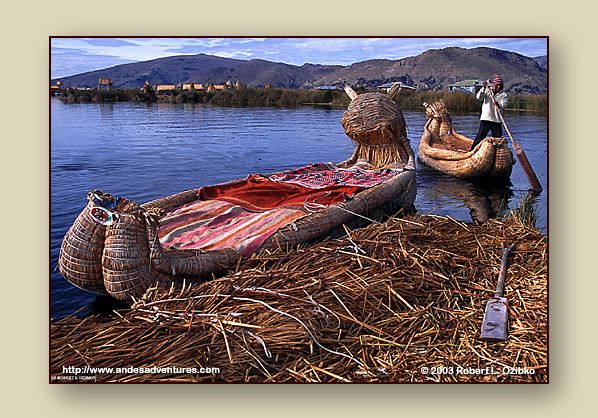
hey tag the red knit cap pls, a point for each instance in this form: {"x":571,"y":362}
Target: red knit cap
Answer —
{"x":497,"y":80}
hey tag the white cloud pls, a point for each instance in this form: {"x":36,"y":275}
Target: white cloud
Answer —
{"x":234,"y":54}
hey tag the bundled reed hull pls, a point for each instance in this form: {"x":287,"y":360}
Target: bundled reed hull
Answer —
{"x":113,"y":247}
{"x":443,"y":149}
{"x":125,"y":258}
{"x":492,"y":159}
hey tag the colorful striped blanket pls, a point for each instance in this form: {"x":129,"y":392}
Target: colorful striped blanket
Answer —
{"x":213,"y":224}
{"x":243,"y":214}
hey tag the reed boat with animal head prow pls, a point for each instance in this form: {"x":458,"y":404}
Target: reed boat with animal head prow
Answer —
{"x":445,"y":150}
{"x":121,"y":248}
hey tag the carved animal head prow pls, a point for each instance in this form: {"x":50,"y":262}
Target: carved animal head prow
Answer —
{"x":376,"y":125}
{"x":436,"y":110}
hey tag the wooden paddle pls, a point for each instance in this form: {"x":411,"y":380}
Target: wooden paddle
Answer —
{"x":496,"y":317}
{"x":527,"y":168}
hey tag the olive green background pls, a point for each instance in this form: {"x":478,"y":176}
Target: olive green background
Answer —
{"x":25,"y":209}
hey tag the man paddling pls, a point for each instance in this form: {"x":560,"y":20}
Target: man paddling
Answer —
{"x":490,"y":120}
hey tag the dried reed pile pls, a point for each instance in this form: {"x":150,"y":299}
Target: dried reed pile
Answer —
{"x":377,"y":305}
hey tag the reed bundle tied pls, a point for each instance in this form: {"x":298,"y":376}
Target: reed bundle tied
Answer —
{"x":377,"y":305}
{"x":83,"y":247}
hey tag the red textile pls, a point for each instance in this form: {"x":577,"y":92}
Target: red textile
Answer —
{"x":260,"y":193}
{"x":322,"y":175}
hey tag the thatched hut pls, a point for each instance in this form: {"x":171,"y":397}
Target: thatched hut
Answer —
{"x":192,"y":86}
{"x":165,"y":88}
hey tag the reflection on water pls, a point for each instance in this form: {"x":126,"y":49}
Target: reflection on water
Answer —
{"x":145,"y":152}
{"x":484,"y":201}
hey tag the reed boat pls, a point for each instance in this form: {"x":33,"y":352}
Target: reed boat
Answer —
{"x":445,"y":150}
{"x":119,"y":247}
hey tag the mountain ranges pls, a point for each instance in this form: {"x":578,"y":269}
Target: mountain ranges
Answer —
{"x":434,"y":69}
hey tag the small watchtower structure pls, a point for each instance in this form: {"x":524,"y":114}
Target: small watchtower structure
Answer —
{"x":104,"y":83}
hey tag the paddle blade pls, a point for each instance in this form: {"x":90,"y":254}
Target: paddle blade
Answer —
{"x":527,"y":168}
{"x":496,"y":319}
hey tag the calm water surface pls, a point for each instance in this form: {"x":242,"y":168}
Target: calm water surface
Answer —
{"x":144,"y":152}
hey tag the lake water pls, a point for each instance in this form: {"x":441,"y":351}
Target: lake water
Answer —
{"x":144,"y":152}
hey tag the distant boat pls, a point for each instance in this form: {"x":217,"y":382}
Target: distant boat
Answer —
{"x":445,"y":150}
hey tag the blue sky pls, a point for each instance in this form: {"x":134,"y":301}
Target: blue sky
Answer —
{"x":77,"y":55}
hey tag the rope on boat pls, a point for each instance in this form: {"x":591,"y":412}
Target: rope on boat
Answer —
{"x":313,"y":207}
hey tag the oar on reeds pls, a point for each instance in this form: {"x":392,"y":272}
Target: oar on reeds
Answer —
{"x":496,"y":317}
{"x":525,"y":164}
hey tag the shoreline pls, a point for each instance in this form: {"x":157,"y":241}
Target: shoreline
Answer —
{"x":457,"y":102}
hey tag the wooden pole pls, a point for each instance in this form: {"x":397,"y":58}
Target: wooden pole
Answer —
{"x":500,"y":286}
{"x":525,"y":164}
